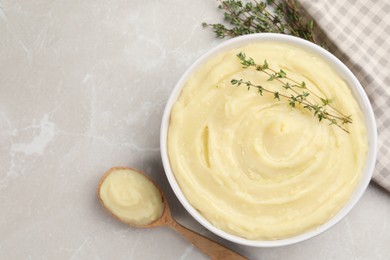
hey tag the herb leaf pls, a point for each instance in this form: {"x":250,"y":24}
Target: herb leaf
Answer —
{"x":299,"y":93}
{"x":255,"y":17}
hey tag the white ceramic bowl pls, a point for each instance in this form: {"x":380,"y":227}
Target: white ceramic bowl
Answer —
{"x":357,"y":91}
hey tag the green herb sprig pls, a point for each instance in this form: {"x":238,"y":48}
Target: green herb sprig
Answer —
{"x":299,"y":93}
{"x":276,"y":16}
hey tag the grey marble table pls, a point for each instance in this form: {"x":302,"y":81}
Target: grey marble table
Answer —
{"x":82,"y":88}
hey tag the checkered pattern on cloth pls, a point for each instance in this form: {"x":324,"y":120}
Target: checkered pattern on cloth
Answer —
{"x":358,"y":33}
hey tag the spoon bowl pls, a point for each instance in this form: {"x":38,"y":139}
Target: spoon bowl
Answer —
{"x":204,"y":244}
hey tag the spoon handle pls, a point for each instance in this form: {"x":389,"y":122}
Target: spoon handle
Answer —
{"x":204,"y":244}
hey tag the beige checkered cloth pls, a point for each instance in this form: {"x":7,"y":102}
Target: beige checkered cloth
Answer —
{"x":358,"y":32}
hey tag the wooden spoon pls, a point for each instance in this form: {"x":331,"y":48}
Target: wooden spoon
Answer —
{"x":204,"y":244}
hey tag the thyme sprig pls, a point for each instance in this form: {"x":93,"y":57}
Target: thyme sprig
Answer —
{"x":299,"y":93}
{"x":276,"y":16}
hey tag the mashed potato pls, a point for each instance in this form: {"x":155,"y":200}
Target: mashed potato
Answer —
{"x":253,"y":166}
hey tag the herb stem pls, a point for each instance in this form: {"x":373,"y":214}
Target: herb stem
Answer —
{"x":253,"y":17}
{"x":296,"y":98}
{"x":297,"y":84}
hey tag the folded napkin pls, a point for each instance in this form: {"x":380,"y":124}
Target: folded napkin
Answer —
{"x":358,"y":33}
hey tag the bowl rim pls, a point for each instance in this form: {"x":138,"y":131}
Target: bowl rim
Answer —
{"x":358,"y":92}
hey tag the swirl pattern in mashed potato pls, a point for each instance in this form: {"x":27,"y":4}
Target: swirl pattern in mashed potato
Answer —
{"x":253,"y":166}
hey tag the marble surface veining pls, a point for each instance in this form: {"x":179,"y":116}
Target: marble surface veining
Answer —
{"x":83,"y":85}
